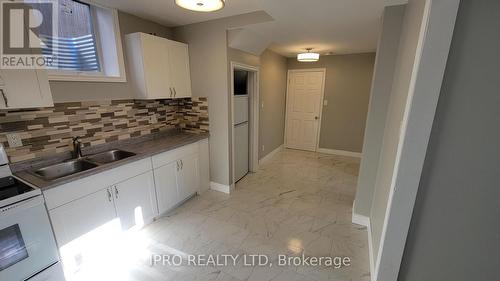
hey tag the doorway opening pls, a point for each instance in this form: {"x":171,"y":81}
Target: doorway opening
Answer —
{"x":244,"y":120}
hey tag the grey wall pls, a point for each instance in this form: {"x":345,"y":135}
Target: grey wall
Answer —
{"x":385,"y":63}
{"x":454,"y":230}
{"x":82,"y":91}
{"x":241,"y":57}
{"x":347,"y":89}
{"x":208,"y":60}
{"x":272,"y":95}
{"x":273,"y":79}
{"x":401,"y":86}
{"x":208,"y":57}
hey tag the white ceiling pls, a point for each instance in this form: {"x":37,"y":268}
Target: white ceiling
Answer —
{"x":328,"y":26}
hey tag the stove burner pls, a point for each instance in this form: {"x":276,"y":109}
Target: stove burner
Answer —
{"x":10,"y":187}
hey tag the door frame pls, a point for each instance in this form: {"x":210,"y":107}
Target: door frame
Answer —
{"x":253,"y":116}
{"x":425,"y":87}
{"x":322,"y":99}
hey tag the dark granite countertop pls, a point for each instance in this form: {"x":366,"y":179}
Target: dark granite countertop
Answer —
{"x":143,"y":147}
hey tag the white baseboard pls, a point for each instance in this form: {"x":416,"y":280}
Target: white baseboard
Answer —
{"x":220,"y":187}
{"x":370,"y":251}
{"x":360,"y":219}
{"x":270,"y":155}
{"x":365,"y":221}
{"x":340,"y":152}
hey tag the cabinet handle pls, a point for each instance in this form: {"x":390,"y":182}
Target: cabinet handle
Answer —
{"x":4,"y":98}
{"x":170,"y":88}
{"x":182,"y":165}
{"x":116,"y":192}
{"x":178,"y":167}
{"x":110,"y":197}
{"x":175,"y":92}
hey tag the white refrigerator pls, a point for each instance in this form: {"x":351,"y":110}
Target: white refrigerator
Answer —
{"x":241,"y":134}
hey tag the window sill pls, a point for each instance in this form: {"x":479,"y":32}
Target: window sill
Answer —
{"x":86,"y":78}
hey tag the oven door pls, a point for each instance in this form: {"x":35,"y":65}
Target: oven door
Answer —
{"x":27,"y":244}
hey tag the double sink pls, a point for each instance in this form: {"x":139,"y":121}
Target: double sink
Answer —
{"x":75,"y":166}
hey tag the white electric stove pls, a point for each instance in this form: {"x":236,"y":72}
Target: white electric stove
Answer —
{"x":28,"y":249}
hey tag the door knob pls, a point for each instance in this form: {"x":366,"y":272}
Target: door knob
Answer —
{"x":316,"y":117}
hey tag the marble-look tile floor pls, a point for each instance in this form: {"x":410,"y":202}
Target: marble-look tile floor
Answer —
{"x":297,"y":203}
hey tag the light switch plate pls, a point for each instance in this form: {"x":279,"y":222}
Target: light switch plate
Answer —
{"x":14,"y":140}
{"x":325,"y":102}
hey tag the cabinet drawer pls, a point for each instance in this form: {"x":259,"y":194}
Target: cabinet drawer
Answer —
{"x":173,"y":155}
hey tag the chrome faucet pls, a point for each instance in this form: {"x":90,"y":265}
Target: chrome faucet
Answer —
{"x":77,"y":148}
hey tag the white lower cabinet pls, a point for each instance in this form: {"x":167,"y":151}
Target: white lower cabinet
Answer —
{"x":82,"y":216}
{"x":188,"y":183}
{"x":132,"y":203}
{"x":135,"y":201}
{"x":166,"y":186}
{"x":176,"y":181}
{"x":105,"y":203}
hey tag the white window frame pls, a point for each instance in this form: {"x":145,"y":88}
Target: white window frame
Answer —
{"x":107,"y":73}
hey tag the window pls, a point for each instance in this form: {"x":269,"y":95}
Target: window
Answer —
{"x":76,"y":40}
{"x":88,"y":44}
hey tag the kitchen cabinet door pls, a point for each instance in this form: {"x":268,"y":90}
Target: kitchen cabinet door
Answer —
{"x":179,"y":69}
{"x":135,"y":201}
{"x":82,"y":217}
{"x":149,"y":65}
{"x":166,"y":178}
{"x":159,"y":68}
{"x":156,"y":66}
{"x":24,"y":88}
{"x":188,"y":176}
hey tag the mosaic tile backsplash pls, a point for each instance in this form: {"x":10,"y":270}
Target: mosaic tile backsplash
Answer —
{"x":46,"y":131}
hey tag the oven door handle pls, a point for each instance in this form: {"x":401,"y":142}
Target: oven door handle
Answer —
{"x":21,"y":206}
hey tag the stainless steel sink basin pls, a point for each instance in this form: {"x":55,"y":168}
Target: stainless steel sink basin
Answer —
{"x":64,"y":169}
{"x":110,"y":156}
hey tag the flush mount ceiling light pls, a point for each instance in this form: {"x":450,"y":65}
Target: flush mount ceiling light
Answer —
{"x":308,"y":57}
{"x":201,"y":5}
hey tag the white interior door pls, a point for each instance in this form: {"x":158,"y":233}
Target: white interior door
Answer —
{"x":304,"y":99}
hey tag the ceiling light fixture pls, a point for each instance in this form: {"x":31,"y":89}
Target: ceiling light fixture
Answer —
{"x":308,"y":57}
{"x":201,"y":5}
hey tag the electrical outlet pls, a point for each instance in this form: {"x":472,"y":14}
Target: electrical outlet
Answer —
{"x":153,"y":119}
{"x":14,"y":140}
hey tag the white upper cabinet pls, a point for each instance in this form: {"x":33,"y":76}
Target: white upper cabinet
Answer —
{"x":159,"y":68}
{"x":179,"y":69}
{"x":24,"y":88}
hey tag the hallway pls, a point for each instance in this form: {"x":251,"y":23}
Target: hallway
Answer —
{"x":297,"y":202}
